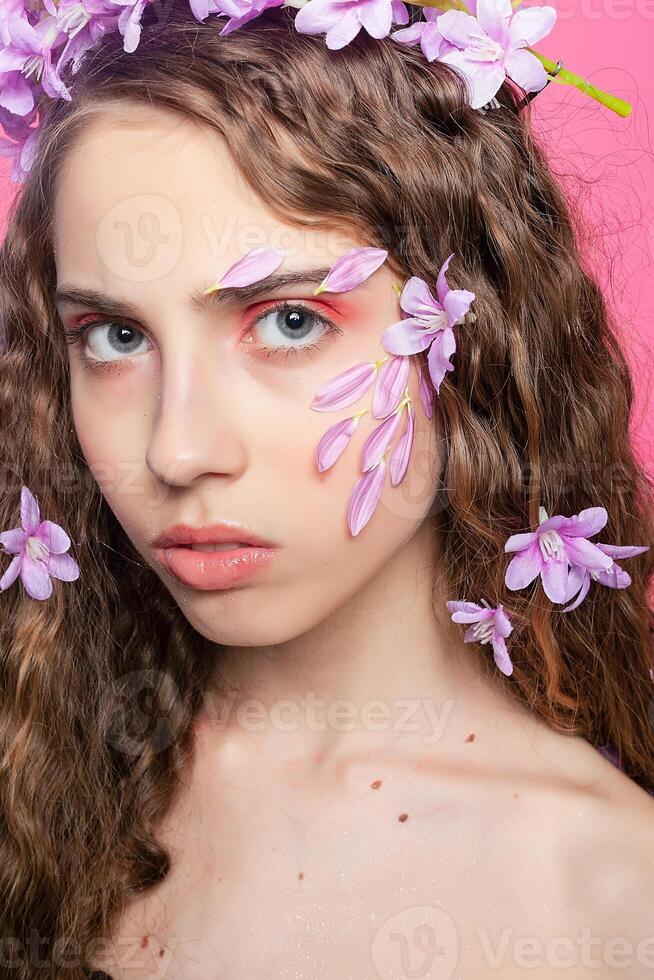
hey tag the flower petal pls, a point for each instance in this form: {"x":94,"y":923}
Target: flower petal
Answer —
{"x":53,"y":537}
{"x":252,"y":267}
{"x":615,"y":551}
{"x":335,"y":441}
{"x":501,"y":654}
{"x":35,"y":578}
{"x":352,"y":268}
{"x":456,"y":304}
{"x":365,"y":497}
{"x":524,"y":567}
{"x":30,"y":516}
{"x":408,"y":336}
{"x":345,"y":388}
{"x":460,"y":28}
{"x":63,"y":567}
{"x":11,"y":573}
{"x":554,"y":575}
{"x":530,"y":25}
{"x":584,"y":524}
{"x":376,"y":16}
{"x":401,"y":453}
{"x":14,"y":540}
{"x":416,"y":298}
{"x":465,"y":612}
{"x":585,"y":553}
{"x":583,"y":588}
{"x":442,"y":348}
{"x":494,"y":16}
{"x":525,"y":69}
{"x":518,"y":542}
{"x":427,"y":396}
{"x":389,"y":386}
{"x":502,"y":621}
{"x":483,"y":78}
{"x":378,"y":442}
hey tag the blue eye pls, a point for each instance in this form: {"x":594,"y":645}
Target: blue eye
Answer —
{"x":113,"y":344}
{"x":289,"y":322}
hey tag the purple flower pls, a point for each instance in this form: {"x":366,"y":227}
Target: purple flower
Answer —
{"x":559,"y":543}
{"x":252,"y":267}
{"x":85,"y":24}
{"x":342,"y":20}
{"x":430,"y":322}
{"x":614,"y":577}
{"x":432,"y":42}
{"x":492,"y":45}
{"x":29,"y":53}
{"x":38,"y":548}
{"x":352,"y":268}
{"x":241,"y":11}
{"x":492,"y":625}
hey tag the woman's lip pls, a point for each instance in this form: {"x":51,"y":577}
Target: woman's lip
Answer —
{"x":211,"y":570}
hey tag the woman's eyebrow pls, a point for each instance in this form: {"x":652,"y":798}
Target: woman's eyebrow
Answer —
{"x":229,"y":295}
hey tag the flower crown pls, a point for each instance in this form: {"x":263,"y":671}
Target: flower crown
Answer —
{"x":486,"y":42}
{"x":558,"y":550}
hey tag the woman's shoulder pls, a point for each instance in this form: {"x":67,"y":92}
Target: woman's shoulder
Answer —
{"x":598,"y":826}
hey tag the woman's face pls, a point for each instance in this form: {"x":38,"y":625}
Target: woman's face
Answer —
{"x":183,"y":417}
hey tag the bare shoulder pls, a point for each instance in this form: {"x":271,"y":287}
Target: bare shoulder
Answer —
{"x":599,"y":826}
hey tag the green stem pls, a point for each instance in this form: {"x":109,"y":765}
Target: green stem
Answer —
{"x":568,"y":78}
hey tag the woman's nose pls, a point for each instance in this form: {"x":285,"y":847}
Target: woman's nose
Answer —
{"x":196,"y":430}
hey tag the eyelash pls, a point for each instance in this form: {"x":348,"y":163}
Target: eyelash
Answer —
{"x":76,"y":335}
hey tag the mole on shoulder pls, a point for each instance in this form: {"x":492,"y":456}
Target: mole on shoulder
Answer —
{"x":301,"y":875}
{"x":471,"y":737}
{"x":161,"y":952}
{"x":377,"y":783}
{"x":144,"y":942}
{"x":402,"y":817}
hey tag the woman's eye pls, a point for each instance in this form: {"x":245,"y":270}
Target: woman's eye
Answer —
{"x":291,"y":326}
{"x":109,"y":340}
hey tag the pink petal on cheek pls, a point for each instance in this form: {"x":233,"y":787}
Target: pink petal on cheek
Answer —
{"x":401,"y":453}
{"x":365,"y":497}
{"x":346,"y":388}
{"x":389,"y":386}
{"x":334,"y":442}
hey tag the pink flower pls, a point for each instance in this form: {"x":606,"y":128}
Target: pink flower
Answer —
{"x":614,"y":577}
{"x":492,"y":625}
{"x":432,"y":43}
{"x":559,"y":542}
{"x":353,"y":267}
{"x":492,"y":45}
{"x":252,"y":267}
{"x":342,"y":21}
{"x":430,"y":322}
{"x":29,"y":53}
{"x":38,"y":548}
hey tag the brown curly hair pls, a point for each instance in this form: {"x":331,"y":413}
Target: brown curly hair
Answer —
{"x":370,"y":138}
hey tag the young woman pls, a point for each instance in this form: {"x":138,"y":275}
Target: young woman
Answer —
{"x":289,"y":762}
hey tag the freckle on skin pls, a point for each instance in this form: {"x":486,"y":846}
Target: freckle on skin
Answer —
{"x":144,"y":942}
{"x":161,"y":952}
{"x":377,"y":783}
{"x":301,"y":875}
{"x":471,"y":737}
{"x":402,"y":817}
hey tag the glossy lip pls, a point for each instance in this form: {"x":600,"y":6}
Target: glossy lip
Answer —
{"x":210,"y":571}
{"x":185,"y":534}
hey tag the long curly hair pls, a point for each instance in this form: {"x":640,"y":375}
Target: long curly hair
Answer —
{"x":101,"y":684}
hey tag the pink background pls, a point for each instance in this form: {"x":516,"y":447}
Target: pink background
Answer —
{"x":606,"y":164}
